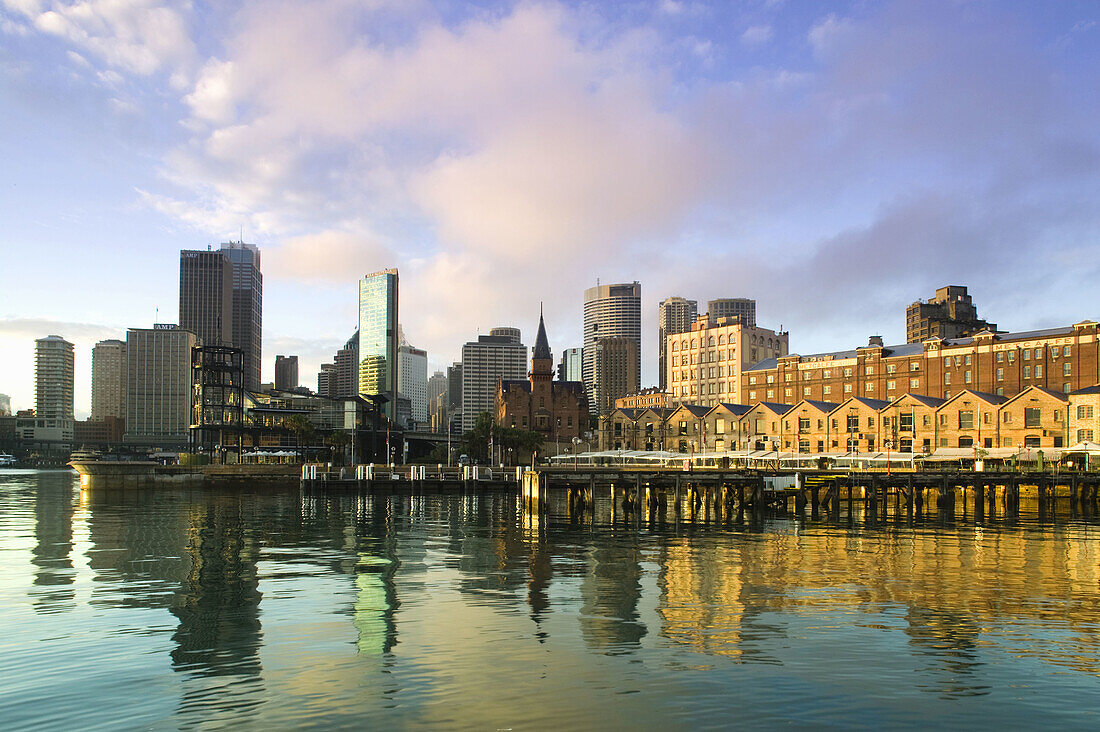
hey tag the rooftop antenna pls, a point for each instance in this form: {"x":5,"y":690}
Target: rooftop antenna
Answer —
{"x":156,"y":315}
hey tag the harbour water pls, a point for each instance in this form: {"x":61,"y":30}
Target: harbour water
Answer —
{"x":179,"y":608}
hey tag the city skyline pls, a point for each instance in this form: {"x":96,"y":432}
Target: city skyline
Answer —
{"x":707,"y":151}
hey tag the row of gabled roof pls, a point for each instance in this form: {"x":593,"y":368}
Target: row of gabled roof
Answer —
{"x":700,"y":411}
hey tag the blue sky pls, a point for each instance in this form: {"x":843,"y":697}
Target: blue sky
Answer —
{"x":835,"y":161}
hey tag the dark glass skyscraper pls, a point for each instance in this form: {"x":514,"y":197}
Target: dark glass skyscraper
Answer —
{"x":247,"y":319}
{"x":221,"y":301}
{"x":378,"y":337}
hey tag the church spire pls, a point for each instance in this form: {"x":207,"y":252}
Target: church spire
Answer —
{"x":542,"y":345}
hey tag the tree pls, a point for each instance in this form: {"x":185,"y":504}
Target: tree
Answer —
{"x":303,"y":431}
{"x":340,"y":440}
{"x":476,"y":442}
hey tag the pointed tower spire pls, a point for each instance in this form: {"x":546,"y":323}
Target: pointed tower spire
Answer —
{"x":542,"y":345}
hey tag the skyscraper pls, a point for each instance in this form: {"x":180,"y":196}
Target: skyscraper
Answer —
{"x":615,"y":360}
{"x":286,"y":373}
{"x":728,"y":307}
{"x":378,"y":338}
{"x":570,"y":366}
{"x":412,"y":380}
{"x":674,"y":315}
{"x":158,"y":384}
{"x":221,"y":301}
{"x":206,"y":296}
{"x":108,"y":380}
{"x":247,"y":308}
{"x":499,"y":355}
{"x":611,"y":311}
{"x":54,"y":370}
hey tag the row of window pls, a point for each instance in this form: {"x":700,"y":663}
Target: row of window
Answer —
{"x":710,"y":342}
{"x":827,"y":389}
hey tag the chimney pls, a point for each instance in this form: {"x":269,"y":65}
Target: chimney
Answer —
{"x":875,"y":341}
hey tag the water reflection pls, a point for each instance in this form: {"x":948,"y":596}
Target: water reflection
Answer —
{"x":51,"y":556}
{"x":279,"y":608}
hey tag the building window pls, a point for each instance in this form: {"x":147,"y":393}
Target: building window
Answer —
{"x":967,"y":359}
{"x":1057,"y":415}
{"x":847,"y":388}
{"x":1027,"y":372}
{"x":966,"y":377}
{"x":1000,"y":391}
{"x":1006,"y":442}
{"x":966,"y":419}
{"x":805,"y":391}
{"x":1084,"y":411}
{"x":914,"y":365}
{"x":1065,"y":350}
{"x":719,"y":426}
{"x":914,"y":383}
{"x":927,"y":420}
{"x":752,"y":395}
{"x":869,"y":370}
{"x":1083,"y":435}
{"x":868,"y":386}
{"x":1006,"y":417}
{"x":1038,"y":353}
{"x":826,"y":389}
{"x":788,"y":377}
{"x":1000,"y":356}
{"x":826,"y":374}
{"x":1027,"y":354}
{"x":891,"y":368}
{"x":853,"y":423}
{"x":1038,"y":371}
{"x":847,"y":373}
{"x":803,"y":423}
{"x":786,"y":392}
{"x":1032,"y":417}
{"x":1000,"y":374}
{"x":771,"y":378}
{"x":1066,"y":368}
{"x":752,"y":379}
{"x":890,"y":385}
{"x":947,"y":377}
{"x":771,"y":393}
{"x":947,"y":362}
{"x":1012,"y":357}
{"x":905,"y":422}
{"x":943,"y":420}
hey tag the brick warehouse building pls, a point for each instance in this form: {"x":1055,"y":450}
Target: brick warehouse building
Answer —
{"x":1061,"y":359}
{"x":557,"y":410}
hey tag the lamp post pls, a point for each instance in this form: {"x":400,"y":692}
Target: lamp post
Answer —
{"x":886,"y":444}
{"x":576,"y":443}
{"x":775,"y":447}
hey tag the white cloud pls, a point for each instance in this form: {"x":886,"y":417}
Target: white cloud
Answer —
{"x":137,"y":36}
{"x":828,"y":32}
{"x":757,"y":35}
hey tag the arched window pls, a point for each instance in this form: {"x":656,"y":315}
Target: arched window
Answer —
{"x":675,"y":346}
{"x":694,"y":343}
{"x":711,"y":342}
{"x":721,"y":340}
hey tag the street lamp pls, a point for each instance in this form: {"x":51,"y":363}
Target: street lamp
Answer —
{"x":576,"y":443}
{"x":886,"y":444}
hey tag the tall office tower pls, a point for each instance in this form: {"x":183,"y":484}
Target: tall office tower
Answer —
{"x":378,"y":338}
{"x":729,"y":307}
{"x":248,"y":304}
{"x":611,"y":311}
{"x":950,"y":314}
{"x":108,"y":380}
{"x":347,"y":368}
{"x":454,"y":394}
{"x":158,"y":384}
{"x":412,"y":380}
{"x":499,"y":355}
{"x":206,"y":296}
{"x":674,"y":315}
{"x":327,"y":380}
{"x":616,"y":362}
{"x":54,"y":371}
{"x":437,"y":401}
{"x":286,"y":373}
{"x":570,"y":367}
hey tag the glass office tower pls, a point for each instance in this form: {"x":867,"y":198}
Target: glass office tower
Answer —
{"x":378,"y":337}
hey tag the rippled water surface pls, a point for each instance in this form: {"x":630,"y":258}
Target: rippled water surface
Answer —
{"x":167,"y":608}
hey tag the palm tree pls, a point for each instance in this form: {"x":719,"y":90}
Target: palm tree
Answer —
{"x":303,"y":430}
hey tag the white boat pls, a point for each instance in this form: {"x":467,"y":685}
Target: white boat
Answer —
{"x":6,"y":460}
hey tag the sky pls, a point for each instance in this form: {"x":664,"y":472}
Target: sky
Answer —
{"x":833,"y":160}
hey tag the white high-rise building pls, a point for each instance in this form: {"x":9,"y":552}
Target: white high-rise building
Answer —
{"x":108,"y":380}
{"x":570,"y":368}
{"x":54,"y":371}
{"x":499,"y":355}
{"x":158,"y":384}
{"x":611,"y":311}
{"x":412,"y":380}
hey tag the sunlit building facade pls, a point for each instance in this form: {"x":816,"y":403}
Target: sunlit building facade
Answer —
{"x":378,"y":338}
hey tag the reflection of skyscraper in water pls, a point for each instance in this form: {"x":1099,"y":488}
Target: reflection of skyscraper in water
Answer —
{"x":137,"y":547}
{"x":610,"y":593}
{"x":53,"y":533}
{"x":376,"y":595}
{"x":541,"y":573}
{"x":219,"y":631}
